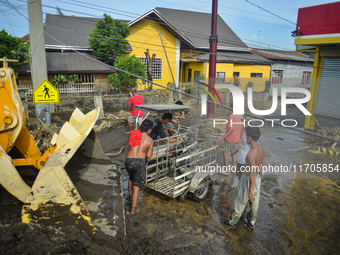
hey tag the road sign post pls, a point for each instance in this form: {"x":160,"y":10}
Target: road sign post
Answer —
{"x":46,"y":94}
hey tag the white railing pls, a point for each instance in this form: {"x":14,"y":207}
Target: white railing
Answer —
{"x":81,"y":89}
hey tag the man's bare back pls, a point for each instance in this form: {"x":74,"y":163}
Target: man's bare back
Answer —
{"x":254,"y":161}
{"x":143,"y":150}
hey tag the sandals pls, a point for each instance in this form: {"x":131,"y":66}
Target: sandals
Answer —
{"x":247,"y":225}
{"x":231,"y":227}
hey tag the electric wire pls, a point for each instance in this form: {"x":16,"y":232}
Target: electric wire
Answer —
{"x":174,"y":90}
{"x":189,"y":27}
{"x":270,"y":12}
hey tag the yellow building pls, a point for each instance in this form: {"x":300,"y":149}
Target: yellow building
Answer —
{"x":180,"y":40}
{"x":318,"y":32}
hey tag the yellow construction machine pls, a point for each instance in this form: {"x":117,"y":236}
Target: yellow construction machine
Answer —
{"x":53,"y":198}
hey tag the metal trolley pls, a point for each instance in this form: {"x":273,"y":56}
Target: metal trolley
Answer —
{"x":184,"y":165}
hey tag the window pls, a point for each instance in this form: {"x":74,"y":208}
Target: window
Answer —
{"x":277,"y":76}
{"x":197,"y":76}
{"x":156,"y":68}
{"x":236,"y":76}
{"x":306,"y":77}
{"x":256,"y":75}
{"x":220,"y":77}
{"x":86,"y":78}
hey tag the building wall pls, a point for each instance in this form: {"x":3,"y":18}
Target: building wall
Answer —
{"x":245,"y":72}
{"x":245,"y":76}
{"x":144,"y":35}
{"x":194,"y":66}
{"x":292,"y":75}
{"x":25,"y":79}
{"x":320,"y":34}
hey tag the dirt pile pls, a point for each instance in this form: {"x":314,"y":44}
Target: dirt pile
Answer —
{"x":20,"y":238}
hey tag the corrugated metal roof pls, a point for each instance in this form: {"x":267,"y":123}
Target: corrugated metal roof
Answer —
{"x":75,"y":62}
{"x":232,"y":57}
{"x":282,"y":55}
{"x":69,"y":30}
{"x":195,"y":28}
{"x":72,"y":62}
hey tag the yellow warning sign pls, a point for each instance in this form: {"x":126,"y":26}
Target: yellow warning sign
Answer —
{"x":45,"y":93}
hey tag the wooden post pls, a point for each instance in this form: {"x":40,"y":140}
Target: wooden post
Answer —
{"x":149,"y":65}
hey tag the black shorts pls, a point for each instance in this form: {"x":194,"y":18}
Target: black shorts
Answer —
{"x":136,"y":170}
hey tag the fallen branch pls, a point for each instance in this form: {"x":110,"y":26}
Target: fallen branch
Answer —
{"x":333,"y":147}
{"x":42,"y":123}
{"x":300,"y":148}
{"x":115,"y":154}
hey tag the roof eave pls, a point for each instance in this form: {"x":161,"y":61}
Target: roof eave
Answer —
{"x":224,"y":48}
{"x":131,"y":23}
{"x":64,"y":47}
{"x":181,"y":35}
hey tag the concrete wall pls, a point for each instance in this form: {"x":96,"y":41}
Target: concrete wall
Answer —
{"x":110,"y":103}
{"x":292,"y":75}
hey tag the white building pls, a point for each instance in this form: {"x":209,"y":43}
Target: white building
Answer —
{"x":288,"y":68}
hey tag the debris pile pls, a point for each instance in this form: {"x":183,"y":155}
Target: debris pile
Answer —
{"x":43,"y":136}
{"x":329,"y":132}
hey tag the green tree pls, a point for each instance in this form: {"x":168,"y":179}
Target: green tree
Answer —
{"x":13,"y":48}
{"x":62,"y":79}
{"x":123,"y":81}
{"x":107,"y":38}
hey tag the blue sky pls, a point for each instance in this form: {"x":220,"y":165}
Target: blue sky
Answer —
{"x":256,"y":27}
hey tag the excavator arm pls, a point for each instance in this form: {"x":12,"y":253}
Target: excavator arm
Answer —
{"x":53,"y":199}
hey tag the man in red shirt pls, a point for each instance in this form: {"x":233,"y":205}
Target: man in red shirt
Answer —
{"x":135,"y":100}
{"x":232,"y":138}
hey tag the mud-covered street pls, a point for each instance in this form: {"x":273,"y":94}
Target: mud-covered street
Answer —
{"x":298,"y":211}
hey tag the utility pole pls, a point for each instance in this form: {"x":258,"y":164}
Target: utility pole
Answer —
{"x":173,"y":79}
{"x":38,"y":54}
{"x":212,"y":56}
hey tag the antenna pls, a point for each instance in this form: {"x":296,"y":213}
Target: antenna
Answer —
{"x":258,"y":42}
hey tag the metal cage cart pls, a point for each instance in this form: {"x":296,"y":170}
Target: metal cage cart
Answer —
{"x":184,"y":165}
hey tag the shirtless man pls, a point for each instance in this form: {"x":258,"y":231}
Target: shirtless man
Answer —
{"x":141,"y":146}
{"x":248,"y":189}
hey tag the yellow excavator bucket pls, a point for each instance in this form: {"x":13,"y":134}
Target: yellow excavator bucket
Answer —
{"x":53,"y":199}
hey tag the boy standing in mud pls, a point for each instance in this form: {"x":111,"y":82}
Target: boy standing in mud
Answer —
{"x":248,"y":189}
{"x":141,"y":146}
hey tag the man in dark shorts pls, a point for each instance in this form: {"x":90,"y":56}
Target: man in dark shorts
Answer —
{"x":141,"y":146}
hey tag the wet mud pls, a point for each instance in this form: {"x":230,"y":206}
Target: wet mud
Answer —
{"x":298,"y":211}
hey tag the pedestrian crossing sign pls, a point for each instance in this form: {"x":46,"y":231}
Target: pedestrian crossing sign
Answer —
{"x":45,"y":93}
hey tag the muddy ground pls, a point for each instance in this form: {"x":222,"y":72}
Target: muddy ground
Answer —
{"x":299,"y":212}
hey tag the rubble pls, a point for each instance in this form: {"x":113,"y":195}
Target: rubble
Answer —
{"x":328,"y":132}
{"x":43,"y":136}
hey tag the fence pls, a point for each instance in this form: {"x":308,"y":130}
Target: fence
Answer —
{"x":83,"y":89}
